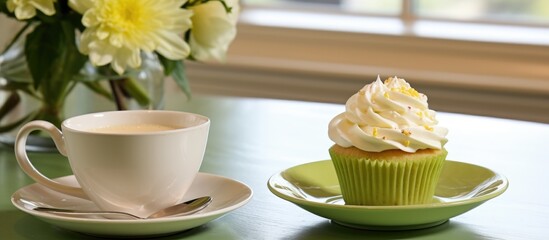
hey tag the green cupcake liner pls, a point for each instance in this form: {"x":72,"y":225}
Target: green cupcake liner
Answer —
{"x":382,"y":182}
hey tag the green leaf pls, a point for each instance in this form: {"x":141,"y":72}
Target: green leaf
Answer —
{"x":76,"y":19}
{"x":98,"y":88}
{"x":21,"y":86}
{"x":169,"y":65}
{"x":53,"y":59}
{"x":135,"y":90}
{"x":74,"y":60}
{"x":42,"y":51}
{"x":176,"y":69}
{"x":181,"y":79}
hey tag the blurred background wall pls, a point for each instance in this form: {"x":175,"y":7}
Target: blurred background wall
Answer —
{"x":509,"y":78}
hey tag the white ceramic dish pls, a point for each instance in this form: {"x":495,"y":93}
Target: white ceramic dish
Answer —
{"x":227,"y":195}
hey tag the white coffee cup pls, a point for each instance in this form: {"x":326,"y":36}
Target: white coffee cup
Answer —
{"x":134,"y":169}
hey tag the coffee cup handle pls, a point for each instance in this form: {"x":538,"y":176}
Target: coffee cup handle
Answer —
{"x":30,"y":170}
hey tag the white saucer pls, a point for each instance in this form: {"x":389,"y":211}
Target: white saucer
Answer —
{"x":227,"y":195}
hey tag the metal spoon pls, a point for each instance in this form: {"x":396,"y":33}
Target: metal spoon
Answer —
{"x":181,"y":209}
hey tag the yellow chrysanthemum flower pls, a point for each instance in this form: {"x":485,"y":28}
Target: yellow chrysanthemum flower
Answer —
{"x":25,"y":9}
{"x":117,"y":30}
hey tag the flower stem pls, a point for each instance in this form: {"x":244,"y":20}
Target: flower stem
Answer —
{"x":51,"y":114}
{"x":117,"y":94}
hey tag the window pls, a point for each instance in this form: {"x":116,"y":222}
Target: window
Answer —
{"x":529,"y":12}
{"x":502,"y":21}
{"x":385,"y":7}
{"x":471,"y":56}
{"x":503,"y":11}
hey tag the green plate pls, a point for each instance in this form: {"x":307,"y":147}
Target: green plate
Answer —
{"x":315,"y":188}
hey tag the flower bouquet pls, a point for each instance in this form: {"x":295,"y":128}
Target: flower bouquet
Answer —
{"x":68,"y":42}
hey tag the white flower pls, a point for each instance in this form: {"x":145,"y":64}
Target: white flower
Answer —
{"x":25,"y":9}
{"x":213,"y":30}
{"x":117,"y":30}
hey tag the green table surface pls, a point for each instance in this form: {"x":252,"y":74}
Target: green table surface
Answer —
{"x":252,"y":139}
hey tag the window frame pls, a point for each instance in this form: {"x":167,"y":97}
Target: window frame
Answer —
{"x":280,"y":60}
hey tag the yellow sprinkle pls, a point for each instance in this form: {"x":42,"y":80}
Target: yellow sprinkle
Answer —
{"x":386,"y":95}
{"x":407,"y":143}
{"x":362,"y":92}
{"x":406,"y":132}
{"x":413,"y":92}
{"x":374,"y":132}
{"x":420,"y":114}
{"x":407,"y":91}
{"x":428,"y":128}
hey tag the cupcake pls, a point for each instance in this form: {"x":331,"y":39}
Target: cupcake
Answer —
{"x":388,"y":148}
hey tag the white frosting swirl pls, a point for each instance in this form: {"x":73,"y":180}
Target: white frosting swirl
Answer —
{"x":390,"y":115}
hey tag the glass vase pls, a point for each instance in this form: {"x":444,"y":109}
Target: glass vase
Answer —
{"x":141,"y":88}
{"x":17,"y":105}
